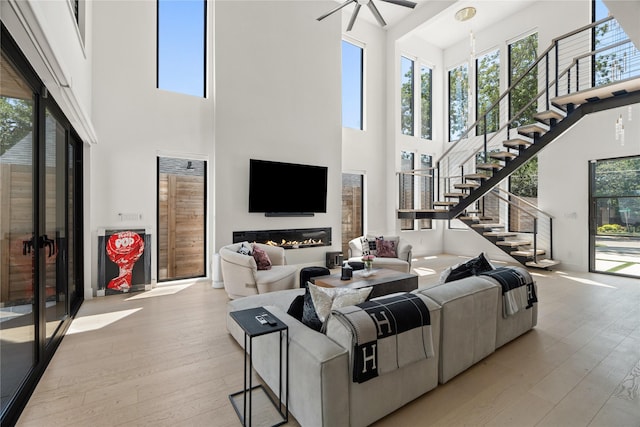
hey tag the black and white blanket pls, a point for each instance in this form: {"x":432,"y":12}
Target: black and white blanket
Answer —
{"x":518,"y":291}
{"x":388,"y":333}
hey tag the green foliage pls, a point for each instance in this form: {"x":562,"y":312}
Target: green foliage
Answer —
{"x":617,"y":177}
{"x":406,"y":98}
{"x":611,"y":228}
{"x":524,"y":181}
{"x":488,"y":76}
{"x":426,"y":103}
{"x":522,"y":54}
{"x":15,"y":121}
{"x":458,"y":101}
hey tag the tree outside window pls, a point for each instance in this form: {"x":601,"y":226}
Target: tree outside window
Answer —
{"x":426,"y":109}
{"x":488,"y":91}
{"x":407,"y":187}
{"x":406,"y":96}
{"x":458,"y":101}
{"x":522,"y":54}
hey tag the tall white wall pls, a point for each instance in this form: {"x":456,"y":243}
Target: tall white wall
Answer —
{"x":278,"y":98}
{"x":563,"y":177}
{"x":135,"y":122}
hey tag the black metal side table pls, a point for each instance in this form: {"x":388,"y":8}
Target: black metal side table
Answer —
{"x":247,"y":320}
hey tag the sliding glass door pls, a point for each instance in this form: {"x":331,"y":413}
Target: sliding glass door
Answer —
{"x":40,"y":229}
{"x":615,"y":216}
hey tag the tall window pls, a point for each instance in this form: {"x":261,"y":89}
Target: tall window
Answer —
{"x":352,"y":88}
{"x":407,"y":187}
{"x":458,"y":101}
{"x":426,"y":108}
{"x":488,"y":91}
{"x":523,"y":183}
{"x":352,"y":208}
{"x":181,"y":46}
{"x":181,"y":218}
{"x":522,"y":54}
{"x":406,"y":95}
{"x":426,"y":188}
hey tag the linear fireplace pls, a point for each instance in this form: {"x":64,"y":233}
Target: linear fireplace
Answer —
{"x":288,"y":239}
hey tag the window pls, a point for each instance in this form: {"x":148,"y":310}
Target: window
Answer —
{"x":407,"y":187}
{"x":458,"y":101}
{"x":617,"y":62}
{"x":488,"y":92}
{"x":426,"y":109}
{"x":615,"y":216}
{"x":352,"y":208}
{"x":182,"y":216}
{"x":406,"y":96}
{"x":181,"y":46}
{"x":522,"y":54}
{"x":352,"y":72}
{"x":426,"y":188}
{"x":523,"y":183}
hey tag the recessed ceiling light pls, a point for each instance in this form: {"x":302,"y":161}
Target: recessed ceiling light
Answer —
{"x":465,"y":14}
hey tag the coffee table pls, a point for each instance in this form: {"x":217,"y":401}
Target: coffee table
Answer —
{"x":383,"y":280}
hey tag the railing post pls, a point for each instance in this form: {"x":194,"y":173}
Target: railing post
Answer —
{"x":577,"y":75}
{"x":555,"y":45}
{"x":535,"y":240}
{"x":550,"y":238}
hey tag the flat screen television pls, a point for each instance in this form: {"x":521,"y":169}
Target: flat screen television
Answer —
{"x":290,"y":189}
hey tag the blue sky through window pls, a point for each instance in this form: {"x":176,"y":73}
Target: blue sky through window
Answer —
{"x":181,"y":46}
{"x":351,"y":85}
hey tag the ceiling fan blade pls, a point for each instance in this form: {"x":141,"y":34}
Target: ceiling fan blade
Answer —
{"x":376,"y":13}
{"x":404,"y":3}
{"x":335,"y":9}
{"x":354,"y":15}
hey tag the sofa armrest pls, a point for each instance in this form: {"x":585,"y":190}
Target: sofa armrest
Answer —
{"x":404,"y":250}
{"x":237,"y":259}
{"x":355,"y":248}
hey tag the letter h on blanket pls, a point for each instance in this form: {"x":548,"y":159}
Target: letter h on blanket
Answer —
{"x":388,"y":333}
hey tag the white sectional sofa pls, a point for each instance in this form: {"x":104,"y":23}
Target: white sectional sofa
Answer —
{"x":467,"y":325}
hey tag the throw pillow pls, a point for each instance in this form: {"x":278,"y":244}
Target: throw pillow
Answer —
{"x":472,"y":267}
{"x":262,"y":259}
{"x":296,"y":308}
{"x":327,"y":299}
{"x":309,"y":315}
{"x":244,"y":250}
{"x":386,"y":248}
{"x":364,"y":242}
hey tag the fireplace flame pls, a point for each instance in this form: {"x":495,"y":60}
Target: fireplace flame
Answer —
{"x":295,"y":243}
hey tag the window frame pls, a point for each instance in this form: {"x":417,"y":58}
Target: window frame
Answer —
{"x":362,"y":47}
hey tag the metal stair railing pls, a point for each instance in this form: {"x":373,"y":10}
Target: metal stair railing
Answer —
{"x":566,"y":56}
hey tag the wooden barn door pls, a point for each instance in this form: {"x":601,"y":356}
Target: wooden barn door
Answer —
{"x":181,"y":218}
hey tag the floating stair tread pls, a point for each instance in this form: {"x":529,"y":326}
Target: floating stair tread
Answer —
{"x":466,"y":185}
{"x":542,"y":263}
{"x":487,"y":225}
{"x":447,"y":203}
{"x":503,"y":155}
{"x":601,"y":92}
{"x":469,"y":218}
{"x":455,"y":195}
{"x":533,"y":128}
{"x":488,"y":166}
{"x":527,"y":252}
{"x":517,"y":143}
{"x":475,"y":176}
{"x":545,"y":116}
{"x":499,"y":234}
{"x":513,"y":243}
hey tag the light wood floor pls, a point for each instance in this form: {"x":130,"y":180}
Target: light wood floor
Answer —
{"x":164,"y":358}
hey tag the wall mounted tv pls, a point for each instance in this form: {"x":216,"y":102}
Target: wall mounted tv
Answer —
{"x":287,"y":189}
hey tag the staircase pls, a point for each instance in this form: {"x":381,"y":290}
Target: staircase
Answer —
{"x":473,"y":167}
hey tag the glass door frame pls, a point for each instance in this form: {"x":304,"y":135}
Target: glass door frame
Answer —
{"x":43,"y":348}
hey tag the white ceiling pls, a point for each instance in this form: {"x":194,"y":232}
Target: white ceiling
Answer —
{"x":443,"y":30}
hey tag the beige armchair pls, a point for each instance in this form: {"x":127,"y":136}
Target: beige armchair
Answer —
{"x":241,"y":276}
{"x":402,"y":261}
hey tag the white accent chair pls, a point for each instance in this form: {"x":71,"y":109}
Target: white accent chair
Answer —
{"x":401,"y":263}
{"x":242,"y":278}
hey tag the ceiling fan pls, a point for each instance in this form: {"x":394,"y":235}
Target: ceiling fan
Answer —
{"x":372,"y":7}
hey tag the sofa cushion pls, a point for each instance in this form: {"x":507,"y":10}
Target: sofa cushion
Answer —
{"x":296,"y":308}
{"x":327,"y":299}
